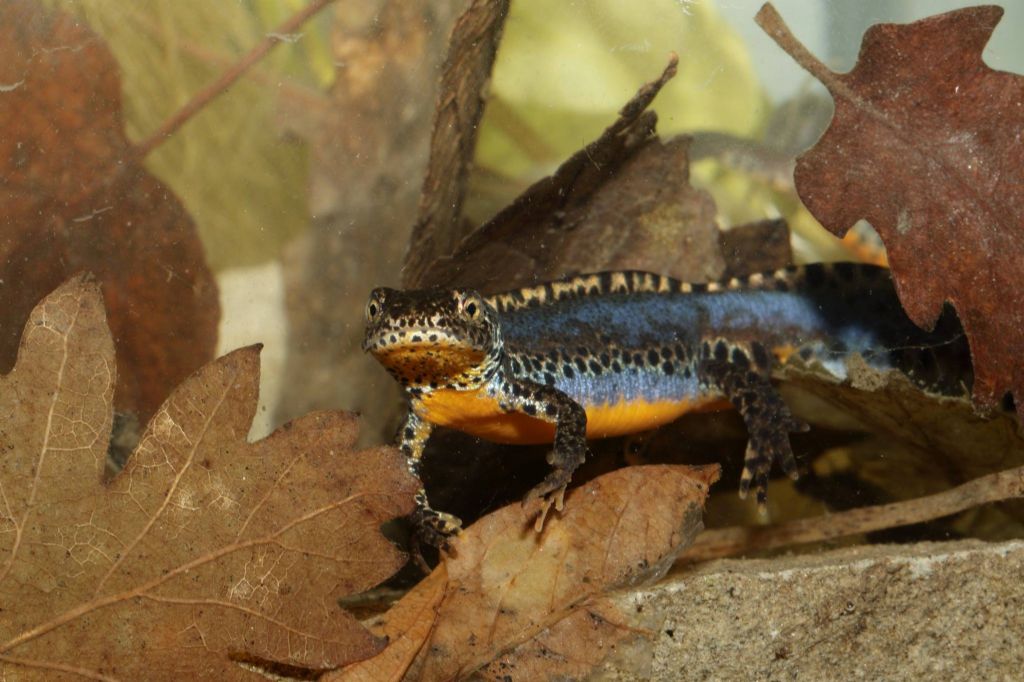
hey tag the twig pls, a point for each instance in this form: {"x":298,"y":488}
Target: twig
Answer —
{"x":227,"y":79}
{"x":715,"y":544}
{"x":218,"y":60}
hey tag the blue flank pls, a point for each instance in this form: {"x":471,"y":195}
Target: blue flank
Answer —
{"x":638,"y":322}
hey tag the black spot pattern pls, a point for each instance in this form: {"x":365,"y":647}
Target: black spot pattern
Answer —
{"x":762,"y":359}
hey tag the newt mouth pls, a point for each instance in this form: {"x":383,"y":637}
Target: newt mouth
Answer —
{"x":411,"y":339}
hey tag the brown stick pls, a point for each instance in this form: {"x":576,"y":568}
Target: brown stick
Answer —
{"x":226,"y":79}
{"x":214,"y":59}
{"x":715,"y":544}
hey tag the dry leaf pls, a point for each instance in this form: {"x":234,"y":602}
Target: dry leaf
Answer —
{"x":926,"y":145}
{"x":505,"y":583}
{"x":74,"y":198}
{"x":624,"y":201}
{"x":204,"y":546}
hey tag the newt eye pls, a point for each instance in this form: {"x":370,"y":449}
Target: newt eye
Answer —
{"x":372,"y":310}
{"x":470,"y":305}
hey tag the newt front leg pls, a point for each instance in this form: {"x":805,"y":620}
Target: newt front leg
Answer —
{"x":570,"y":443}
{"x":434,"y":527}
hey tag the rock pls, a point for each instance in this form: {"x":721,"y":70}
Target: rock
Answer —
{"x":928,"y":611}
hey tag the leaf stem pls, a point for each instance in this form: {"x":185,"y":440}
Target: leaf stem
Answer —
{"x":50,"y":666}
{"x":769,"y":19}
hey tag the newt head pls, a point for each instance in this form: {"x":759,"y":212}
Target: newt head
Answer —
{"x":433,"y":338}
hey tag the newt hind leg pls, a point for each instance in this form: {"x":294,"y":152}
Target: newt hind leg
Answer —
{"x":741,"y":375}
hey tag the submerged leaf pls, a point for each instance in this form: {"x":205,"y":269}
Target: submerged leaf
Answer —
{"x":571,"y":649}
{"x":407,"y":626}
{"x":73,"y":198}
{"x":460,"y":105}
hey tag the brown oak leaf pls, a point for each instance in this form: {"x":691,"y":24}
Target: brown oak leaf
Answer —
{"x":926,"y":145}
{"x":505,"y":583}
{"x":74,"y":198}
{"x":205,"y":546}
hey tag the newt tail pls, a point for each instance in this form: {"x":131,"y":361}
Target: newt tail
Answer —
{"x":622,"y":352}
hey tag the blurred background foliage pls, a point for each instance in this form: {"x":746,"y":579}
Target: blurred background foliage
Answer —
{"x":563,"y":70}
{"x":241,"y":178}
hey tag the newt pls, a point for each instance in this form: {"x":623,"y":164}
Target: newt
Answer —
{"x":614,"y":353}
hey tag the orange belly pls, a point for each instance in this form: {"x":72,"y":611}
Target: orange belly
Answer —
{"x":478,"y":414}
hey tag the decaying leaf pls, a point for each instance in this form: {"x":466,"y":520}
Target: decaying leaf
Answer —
{"x":624,"y":201}
{"x":74,"y":198}
{"x":926,"y":145}
{"x":506,"y":583}
{"x":205,"y":546}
